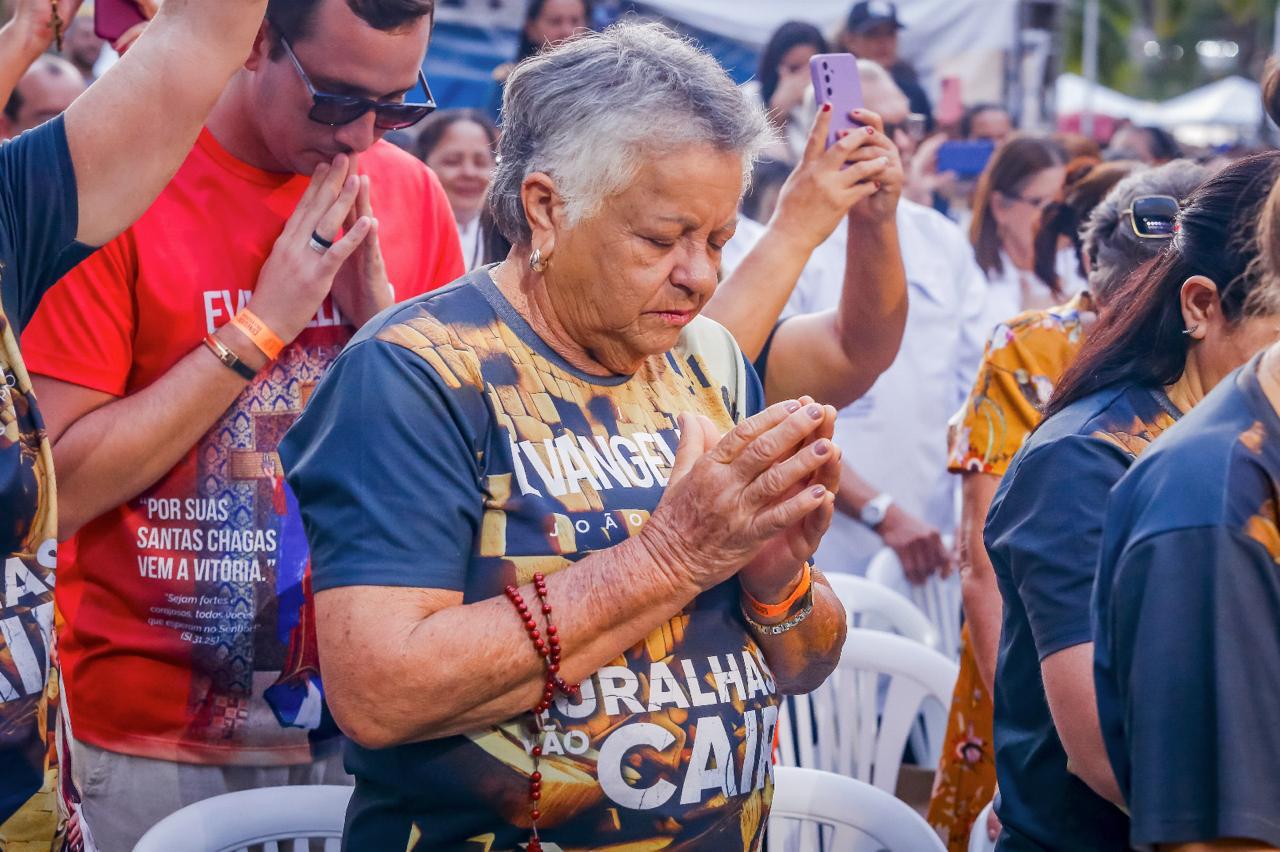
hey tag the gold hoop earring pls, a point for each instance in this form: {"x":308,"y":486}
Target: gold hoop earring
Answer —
{"x":536,"y":263}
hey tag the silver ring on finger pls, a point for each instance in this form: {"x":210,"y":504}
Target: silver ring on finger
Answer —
{"x":318,"y":243}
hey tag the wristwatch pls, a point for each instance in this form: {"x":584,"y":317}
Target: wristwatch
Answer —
{"x":874,"y":510}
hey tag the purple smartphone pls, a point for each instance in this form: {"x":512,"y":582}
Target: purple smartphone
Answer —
{"x":835,"y":81}
{"x":114,"y":18}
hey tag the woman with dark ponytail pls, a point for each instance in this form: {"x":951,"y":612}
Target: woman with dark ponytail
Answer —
{"x":1146,"y":339}
{"x":1173,"y":331}
{"x":1186,"y":603}
{"x":1023,"y":358}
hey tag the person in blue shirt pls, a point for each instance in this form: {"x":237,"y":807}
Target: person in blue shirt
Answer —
{"x":555,"y":421}
{"x":66,"y":186}
{"x":1172,"y":332}
{"x":1187,"y":612}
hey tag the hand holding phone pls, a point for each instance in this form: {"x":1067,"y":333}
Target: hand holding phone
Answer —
{"x":836,"y":82}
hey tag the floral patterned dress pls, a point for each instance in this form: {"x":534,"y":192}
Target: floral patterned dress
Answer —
{"x":1023,"y":360}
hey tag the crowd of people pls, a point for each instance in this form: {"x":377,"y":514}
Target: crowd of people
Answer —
{"x":493,"y":467}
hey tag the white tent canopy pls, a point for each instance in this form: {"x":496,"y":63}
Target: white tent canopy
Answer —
{"x":1219,"y":112}
{"x":1230,"y":102}
{"x":1071,"y":96}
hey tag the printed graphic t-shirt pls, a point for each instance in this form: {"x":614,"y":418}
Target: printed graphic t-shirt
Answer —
{"x":39,"y":217}
{"x":1043,"y":534}
{"x":1187,"y":621}
{"x":187,"y":638}
{"x":451,"y":448}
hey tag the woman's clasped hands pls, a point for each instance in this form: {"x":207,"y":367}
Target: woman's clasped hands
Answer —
{"x":754,"y":502}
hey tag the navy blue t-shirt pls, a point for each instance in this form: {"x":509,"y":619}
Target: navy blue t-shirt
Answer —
{"x":449,"y":447}
{"x":39,"y":218}
{"x":1187,"y":625}
{"x":38,"y":222}
{"x":1043,"y":534}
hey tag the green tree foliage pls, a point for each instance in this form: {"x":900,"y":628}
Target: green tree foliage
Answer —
{"x":1176,"y":26}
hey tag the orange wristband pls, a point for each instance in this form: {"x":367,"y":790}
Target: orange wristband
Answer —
{"x":257,"y":331}
{"x":783,"y":607}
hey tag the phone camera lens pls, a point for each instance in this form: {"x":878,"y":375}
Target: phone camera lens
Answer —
{"x":828,"y":91}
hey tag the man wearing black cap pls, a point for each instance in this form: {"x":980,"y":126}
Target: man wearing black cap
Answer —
{"x":871,"y":32}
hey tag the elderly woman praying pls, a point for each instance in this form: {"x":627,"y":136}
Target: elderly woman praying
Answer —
{"x":560,"y":547}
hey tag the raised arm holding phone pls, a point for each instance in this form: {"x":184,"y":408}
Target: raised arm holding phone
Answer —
{"x":850,"y":172}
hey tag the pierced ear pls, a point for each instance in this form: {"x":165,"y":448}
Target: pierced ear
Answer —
{"x":543,"y":209}
{"x":1200,"y":305}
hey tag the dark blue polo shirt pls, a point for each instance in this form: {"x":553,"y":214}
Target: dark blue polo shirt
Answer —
{"x":1043,"y":534}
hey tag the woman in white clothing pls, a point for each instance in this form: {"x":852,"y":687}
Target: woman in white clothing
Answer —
{"x":1024,"y":175}
{"x":458,"y":145}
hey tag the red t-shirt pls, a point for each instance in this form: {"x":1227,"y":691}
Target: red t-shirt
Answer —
{"x":187,"y":637}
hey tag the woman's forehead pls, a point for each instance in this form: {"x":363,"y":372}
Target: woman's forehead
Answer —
{"x":689,"y":185}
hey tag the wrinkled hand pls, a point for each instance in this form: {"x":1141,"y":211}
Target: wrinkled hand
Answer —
{"x":34,"y":21}
{"x":728,"y":497}
{"x":361,"y":288}
{"x":772,"y":575}
{"x":148,"y":8}
{"x":296,"y":278}
{"x":919,"y":546}
{"x":821,"y":190}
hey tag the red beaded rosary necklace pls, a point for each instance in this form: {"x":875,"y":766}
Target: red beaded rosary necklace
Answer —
{"x":549,"y":650}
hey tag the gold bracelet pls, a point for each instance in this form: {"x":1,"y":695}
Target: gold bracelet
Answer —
{"x":229,"y":359}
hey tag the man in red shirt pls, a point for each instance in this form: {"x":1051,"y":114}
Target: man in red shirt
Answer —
{"x":187,"y":632}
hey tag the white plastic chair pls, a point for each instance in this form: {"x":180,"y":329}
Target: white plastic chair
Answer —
{"x":275,"y":819}
{"x":978,"y":840}
{"x":939,"y":599}
{"x":841,"y":815}
{"x":840,"y":726}
{"x":874,"y":606}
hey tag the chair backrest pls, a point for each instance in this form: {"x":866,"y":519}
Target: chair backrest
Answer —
{"x":274,"y":819}
{"x":940,"y":599}
{"x":815,"y":810}
{"x":845,"y":726}
{"x":874,"y":606}
{"x":978,"y":840}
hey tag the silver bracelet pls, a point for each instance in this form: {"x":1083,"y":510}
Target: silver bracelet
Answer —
{"x":778,"y":629}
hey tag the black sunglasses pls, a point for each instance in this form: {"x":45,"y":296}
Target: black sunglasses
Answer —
{"x":337,"y":110}
{"x":1153,"y":217}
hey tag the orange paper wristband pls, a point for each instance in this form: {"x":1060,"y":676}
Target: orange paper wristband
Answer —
{"x":256,"y":330}
{"x":782,"y":608}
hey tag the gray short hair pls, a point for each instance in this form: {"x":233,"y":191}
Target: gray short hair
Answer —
{"x":1113,"y":249}
{"x":588,"y":111}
